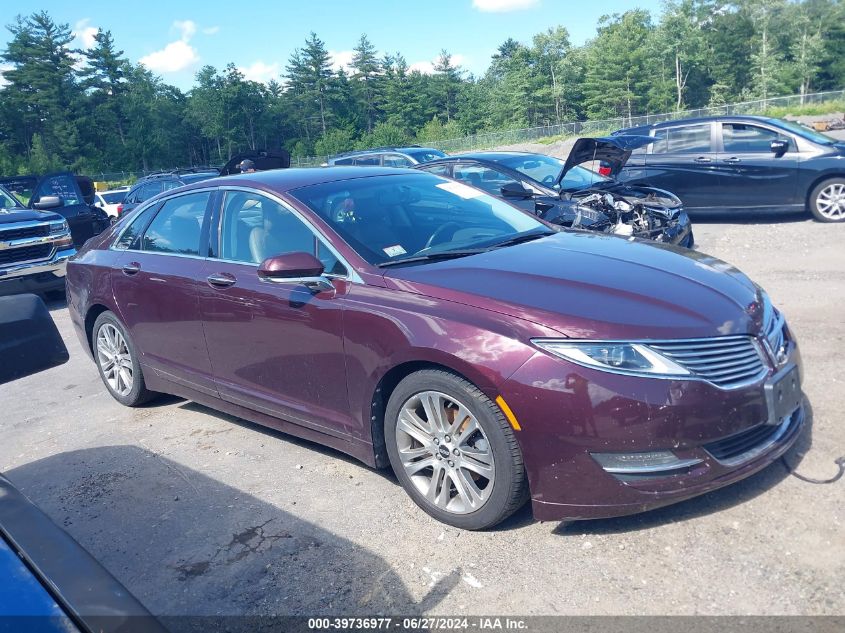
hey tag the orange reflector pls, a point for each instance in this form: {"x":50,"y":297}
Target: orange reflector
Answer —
{"x":508,"y":413}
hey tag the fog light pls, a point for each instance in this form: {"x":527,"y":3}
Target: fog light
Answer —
{"x":642,"y":463}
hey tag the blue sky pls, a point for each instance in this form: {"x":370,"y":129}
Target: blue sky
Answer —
{"x":174,"y":39}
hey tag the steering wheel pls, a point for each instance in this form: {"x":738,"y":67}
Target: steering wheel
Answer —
{"x":549,"y":180}
{"x":440,"y":235}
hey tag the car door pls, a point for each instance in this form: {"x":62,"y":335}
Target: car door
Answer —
{"x":276,"y":347}
{"x":682,"y":160}
{"x":80,"y":217}
{"x":753,"y":176}
{"x":156,"y":287}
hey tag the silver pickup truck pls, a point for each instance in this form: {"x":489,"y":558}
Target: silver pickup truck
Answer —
{"x":34,"y":248}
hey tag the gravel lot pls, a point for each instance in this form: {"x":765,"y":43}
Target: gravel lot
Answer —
{"x":197,"y":512}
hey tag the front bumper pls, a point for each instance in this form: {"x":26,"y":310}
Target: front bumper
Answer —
{"x":37,"y":277}
{"x":718,"y":436}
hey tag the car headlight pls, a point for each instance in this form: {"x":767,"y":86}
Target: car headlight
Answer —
{"x":57,"y":228}
{"x":614,"y":356}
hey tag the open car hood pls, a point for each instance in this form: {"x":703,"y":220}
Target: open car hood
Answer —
{"x":263,"y":159}
{"x":613,"y":150}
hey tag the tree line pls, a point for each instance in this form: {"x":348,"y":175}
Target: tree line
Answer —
{"x":93,"y":110}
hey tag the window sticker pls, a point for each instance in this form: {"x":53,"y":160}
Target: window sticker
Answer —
{"x":459,"y":189}
{"x":394,"y":251}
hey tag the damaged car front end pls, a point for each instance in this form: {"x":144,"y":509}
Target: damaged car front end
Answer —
{"x":570,"y":195}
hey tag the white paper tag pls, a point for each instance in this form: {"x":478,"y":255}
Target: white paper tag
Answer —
{"x":393,"y":251}
{"x":460,"y":189}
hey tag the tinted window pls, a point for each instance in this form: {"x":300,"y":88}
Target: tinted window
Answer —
{"x":147,"y":191}
{"x":256,"y":227}
{"x":192,"y":178}
{"x":343,"y":161}
{"x":63,"y":186}
{"x":544,"y":169}
{"x":437,"y":170}
{"x":113,"y":197}
{"x":368,"y":160}
{"x":425,"y":155}
{"x":690,"y":139}
{"x":136,"y":226}
{"x":396,"y":160}
{"x":176,"y":227}
{"x":739,"y":137}
{"x":483,"y":178}
{"x":394,"y":217}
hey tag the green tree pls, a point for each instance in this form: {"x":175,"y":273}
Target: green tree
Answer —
{"x":367,"y":81}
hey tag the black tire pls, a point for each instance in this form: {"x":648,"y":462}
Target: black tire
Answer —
{"x":814,"y":196}
{"x":139,"y":394}
{"x":510,"y":485}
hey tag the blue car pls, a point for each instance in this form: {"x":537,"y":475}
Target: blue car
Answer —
{"x":742,"y":164}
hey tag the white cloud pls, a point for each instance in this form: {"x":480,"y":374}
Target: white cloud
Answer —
{"x":211,"y":30}
{"x":427,"y":67}
{"x":83,"y":34}
{"x":503,"y":6}
{"x":3,"y":68}
{"x":172,"y":58}
{"x":341,"y":59}
{"x":177,"y":55}
{"x":186,"y":27}
{"x":259,"y":71}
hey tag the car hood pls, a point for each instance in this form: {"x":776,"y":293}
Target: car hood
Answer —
{"x":7,"y":216}
{"x":613,"y":150}
{"x":586,"y":285}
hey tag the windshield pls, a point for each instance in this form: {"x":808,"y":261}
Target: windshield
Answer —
{"x":580,"y":178}
{"x":424,"y":155}
{"x":113,"y":197}
{"x":543,"y":169}
{"x":804,"y":131}
{"x":388,"y":218}
{"x":8,"y":201}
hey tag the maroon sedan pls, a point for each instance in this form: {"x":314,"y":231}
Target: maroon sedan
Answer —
{"x":418,"y":323}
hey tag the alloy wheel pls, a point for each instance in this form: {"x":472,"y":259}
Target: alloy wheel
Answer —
{"x":830,"y":202}
{"x":445,"y":452}
{"x":114,"y":359}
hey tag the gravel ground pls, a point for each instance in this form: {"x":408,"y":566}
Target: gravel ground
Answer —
{"x":200,"y":513}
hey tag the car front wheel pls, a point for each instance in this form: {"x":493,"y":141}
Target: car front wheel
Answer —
{"x":827,"y":200}
{"x":454,"y":451}
{"x":117,"y":361}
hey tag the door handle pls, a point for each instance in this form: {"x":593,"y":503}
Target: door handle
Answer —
{"x":132,"y":268}
{"x":221,"y":280}
{"x":733,"y":160}
{"x":703,"y":159}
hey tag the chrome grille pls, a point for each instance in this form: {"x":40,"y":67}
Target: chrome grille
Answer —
{"x":23,"y":232}
{"x":728,"y":361}
{"x":25,"y":254}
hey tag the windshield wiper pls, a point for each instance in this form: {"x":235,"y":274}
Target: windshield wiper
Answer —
{"x":432,"y":257}
{"x":519,"y":239}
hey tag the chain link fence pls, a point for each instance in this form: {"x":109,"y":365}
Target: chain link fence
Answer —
{"x":488,"y":140}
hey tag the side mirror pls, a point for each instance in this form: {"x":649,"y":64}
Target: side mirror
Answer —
{"x":515,"y":190}
{"x":779,"y":146}
{"x":47,"y":202}
{"x":299,"y":268}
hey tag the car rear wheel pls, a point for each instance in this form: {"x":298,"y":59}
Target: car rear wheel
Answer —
{"x":454,"y":451}
{"x":827,"y":201}
{"x":117,"y":361}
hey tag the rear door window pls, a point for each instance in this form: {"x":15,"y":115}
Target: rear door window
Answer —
{"x":481,"y":177}
{"x":368,"y":160}
{"x":396,"y":160}
{"x":689,"y":139}
{"x":177,"y":227}
{"x":148,"y":191}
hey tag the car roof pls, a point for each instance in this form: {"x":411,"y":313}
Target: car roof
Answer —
{"x":751,"y":118}
{"x":281,"y":180}
{"x":381,"y":150}
{"x":493,"y":157}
